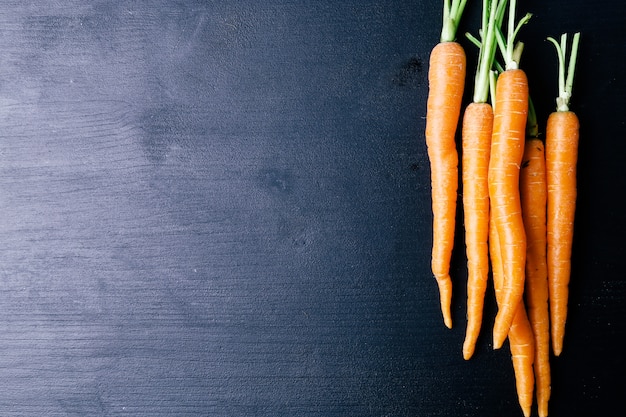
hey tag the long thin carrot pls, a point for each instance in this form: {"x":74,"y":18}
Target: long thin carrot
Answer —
{"x":507,"y":148}
{"x":533,"y":194}
{"x":477,"y":124}
{"x":521,"y":341}
{"x":562,"y":134}
{"x":476,"y":144}
{"x":446,"y":76}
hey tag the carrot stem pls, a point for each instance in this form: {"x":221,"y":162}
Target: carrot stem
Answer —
{"x":452,"y":11}
{"x":532,"y":127}
{"x":493,"y":80}
{"x":508,"y":47}
{"x":566,"y":77}
{"x":487,"y":50}
{"x":473,"y":39}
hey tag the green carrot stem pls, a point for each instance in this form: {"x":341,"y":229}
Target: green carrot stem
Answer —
{"x":510,"y":50}
{"x":532,"y":126}
{"x":452,"y":11}
{"x":566,"y":71}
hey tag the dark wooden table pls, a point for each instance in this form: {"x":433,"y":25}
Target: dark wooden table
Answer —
{"x":222,"y":208}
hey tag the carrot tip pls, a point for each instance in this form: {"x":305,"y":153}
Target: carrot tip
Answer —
{"x":542,"y":405}
{"x":467,"y":354}
{"x":557,"y":345}
{"x":469,"y":345}
{"x":497,"y":343}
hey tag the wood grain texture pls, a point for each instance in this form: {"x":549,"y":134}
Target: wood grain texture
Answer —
{"x":222,"y":209}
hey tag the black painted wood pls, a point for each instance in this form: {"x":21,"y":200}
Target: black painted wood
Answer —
{"x":223,"y":209}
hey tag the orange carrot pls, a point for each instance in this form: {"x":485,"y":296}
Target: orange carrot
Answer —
{"x":562,"y":133}
{"x":446,"y":76}
{"x":522,"y":345}
{"x":477,"y":124}
{"x":476,"y":144}
{"x":521,"y":341}
{"x":533,"y":195}
{"x":507,"y":148}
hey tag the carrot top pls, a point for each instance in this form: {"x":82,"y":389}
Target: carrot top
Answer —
{"x":511,"y":50}
{"x":493,"y":10}
{"x":452,"y":11}
{"x":566,"y":78}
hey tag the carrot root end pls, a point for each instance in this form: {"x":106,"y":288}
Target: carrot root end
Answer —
{"x":468,"y":350}
{"x":498,"y":340}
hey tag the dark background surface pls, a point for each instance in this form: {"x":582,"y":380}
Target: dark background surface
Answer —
{"x":222,"y":208}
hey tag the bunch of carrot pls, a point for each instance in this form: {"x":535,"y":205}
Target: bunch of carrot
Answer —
{"x":519,"y":192}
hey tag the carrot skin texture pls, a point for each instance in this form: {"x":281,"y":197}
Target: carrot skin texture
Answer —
{"x":521,"y":341}
{"x":533,"y":193}
{"x":562,"y":135}
{"x":446,"y":77}
{"x":522,"y":345}
{"x":507,"y":148}
{"x":476,"y":146}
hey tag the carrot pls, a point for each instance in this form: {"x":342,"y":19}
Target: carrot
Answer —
{"x":477,"y":123}
{"x":533,"y":196}
{"x":476,"y":143}
{"x":507,"y":147}
{"x":562,"y":133}
{"x":446,"y":76}
{"x":522,"y":345}
{"x":521,"y":341}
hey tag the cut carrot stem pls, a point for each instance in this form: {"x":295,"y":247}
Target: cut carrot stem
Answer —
{"x":446,"y":76}
{"x":562,"y":136}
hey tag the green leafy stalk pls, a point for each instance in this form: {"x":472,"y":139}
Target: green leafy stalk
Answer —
{"x":493,"y":80}
{"x":532,"y":127}
{"x":452,"y":12}
{"x":512,"y":51}
{"x":493,"y":74}
{"x":566,"y":72}
{"x":488,"y":46}
{"x":473,"y":39}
